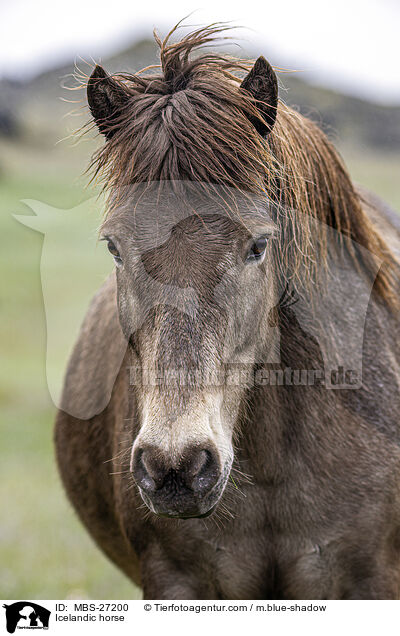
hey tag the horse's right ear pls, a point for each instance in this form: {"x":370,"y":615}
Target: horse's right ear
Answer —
{"x":262,"y":85}
{"x":106,"y":98}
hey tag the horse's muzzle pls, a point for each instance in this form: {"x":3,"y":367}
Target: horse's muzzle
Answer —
{"x":188,"y":488}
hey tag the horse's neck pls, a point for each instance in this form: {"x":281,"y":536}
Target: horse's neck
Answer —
{"x":332,"y":368}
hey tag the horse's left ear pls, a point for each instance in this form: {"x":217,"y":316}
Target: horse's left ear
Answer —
{"x":262,"y":85}
{"x":106,"y":98}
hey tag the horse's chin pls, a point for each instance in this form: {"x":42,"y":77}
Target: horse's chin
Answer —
{"x":172,"y":515}
{"x":200,"y":511}
{"x":188,"y":507}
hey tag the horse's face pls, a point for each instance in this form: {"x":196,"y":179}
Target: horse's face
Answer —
{"x":194,"y":287}
{"x":194,"y":295}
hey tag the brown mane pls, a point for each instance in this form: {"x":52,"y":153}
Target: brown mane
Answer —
{"x":190,"y":121}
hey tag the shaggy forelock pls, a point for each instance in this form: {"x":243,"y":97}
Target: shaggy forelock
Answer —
{"x":190,"y":121}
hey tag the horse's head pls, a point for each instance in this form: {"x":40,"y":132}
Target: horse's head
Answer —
{"x":194,"y":297}
{"x":191,"y":165}
{"x":194,"y":265}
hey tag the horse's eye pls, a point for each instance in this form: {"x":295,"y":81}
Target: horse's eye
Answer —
{"x":257,"y":250}
{"x":113,"y":250}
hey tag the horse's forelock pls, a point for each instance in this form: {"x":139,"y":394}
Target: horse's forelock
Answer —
{"x":190,"y":121}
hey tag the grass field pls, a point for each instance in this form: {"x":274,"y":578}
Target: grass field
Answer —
{"x":44,"y":551}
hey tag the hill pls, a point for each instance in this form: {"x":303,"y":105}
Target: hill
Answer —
{"x":36,"y":108}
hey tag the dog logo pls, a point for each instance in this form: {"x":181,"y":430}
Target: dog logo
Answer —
{"x":26,"y":615}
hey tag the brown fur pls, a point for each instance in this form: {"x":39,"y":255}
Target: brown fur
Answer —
{"x":200,"y":120}
{"x":312,"y":509}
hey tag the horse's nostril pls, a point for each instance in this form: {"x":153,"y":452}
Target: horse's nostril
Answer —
{"x":197,"y":464}
{"x":205,"y":472}
{"x":142,"y":472}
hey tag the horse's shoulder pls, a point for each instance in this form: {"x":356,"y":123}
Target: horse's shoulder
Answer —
{"x":97,"y":356}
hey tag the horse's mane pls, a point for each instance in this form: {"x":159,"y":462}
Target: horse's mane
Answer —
{"x":187,"y":119}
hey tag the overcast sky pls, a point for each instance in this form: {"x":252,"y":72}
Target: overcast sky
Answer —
{"x":353,"y":45}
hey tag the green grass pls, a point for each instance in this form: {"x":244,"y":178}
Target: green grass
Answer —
{"x":44,"y":551}
{"x":378,"y":172}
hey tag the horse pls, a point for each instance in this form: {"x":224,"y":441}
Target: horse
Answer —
{"x":229,"y":427}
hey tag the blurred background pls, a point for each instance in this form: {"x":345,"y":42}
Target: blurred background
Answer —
{"x":344,"y":58}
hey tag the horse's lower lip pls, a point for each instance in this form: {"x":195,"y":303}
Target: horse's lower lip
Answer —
{"x":185,"y":507}
{"x":172,"y":515}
